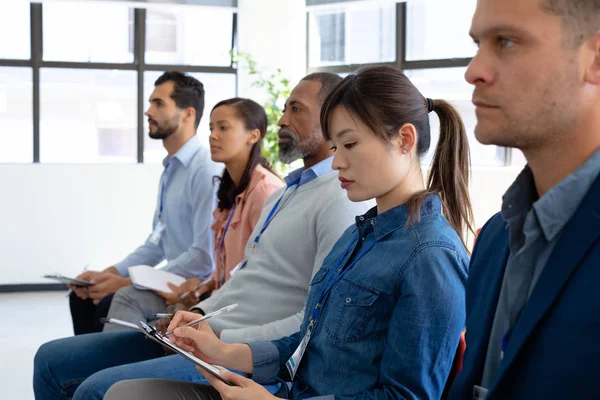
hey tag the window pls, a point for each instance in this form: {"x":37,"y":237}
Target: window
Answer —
{"x":449,"y":84}
{"x":95,"y":32}
{"x":85,"y":106}
{"x":438,"y":29}
{"x":353,"y":35}
{"x":217,"y":87}
{"x":16,"y":134}
{"x":161,"y":32}
{"x":436,"y":49}
{"x":14,"y":30}
{"x":189,"y":36}
{"x":332,"y":35}
{"x":79,"y":106}
{"x":517,"y":158}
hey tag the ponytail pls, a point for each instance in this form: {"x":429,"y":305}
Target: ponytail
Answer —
{"x":449,"y":174}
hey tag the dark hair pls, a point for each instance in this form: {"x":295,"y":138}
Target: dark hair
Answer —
{"x":188,"y":92}
{"x":581,"y":18}
{"x":385,"y":99}
{"x":254,"y":117}
{"x":327,"y":80}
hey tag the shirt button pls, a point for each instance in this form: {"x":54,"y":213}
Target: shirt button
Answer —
{"x":348,"y":299}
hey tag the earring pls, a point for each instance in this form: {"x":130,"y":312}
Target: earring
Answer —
{"x":404,"y":151}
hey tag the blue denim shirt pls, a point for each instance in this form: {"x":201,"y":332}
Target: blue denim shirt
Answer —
{"x":390,"y":327}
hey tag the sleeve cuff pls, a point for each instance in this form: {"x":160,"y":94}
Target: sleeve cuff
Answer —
{"x":265,"y":359}
{"x":123,"y":269}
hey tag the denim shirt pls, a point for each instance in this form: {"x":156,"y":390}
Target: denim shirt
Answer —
{"x":390,"y":327}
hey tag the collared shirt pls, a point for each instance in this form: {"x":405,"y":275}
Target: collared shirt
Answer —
{"x":389,"y":327}
{"x":188,"y":200}
{"x":248,"y":206}
{"x":308,"y":174}
{"x":278,"y":270}
{"x":534,"y":225}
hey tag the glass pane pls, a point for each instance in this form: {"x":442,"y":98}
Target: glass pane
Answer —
{"x":16,"y":116}
{"x":14,"y":30}
{"x":517,"y":158}
{"x":217,"y":87}
{"x":449,"y":84}
{"x":95,"y":32}
{"x":88,"y":116}
{"x":354,"y":35}
{"x":439,"y":29}
{"x":189,"y":36}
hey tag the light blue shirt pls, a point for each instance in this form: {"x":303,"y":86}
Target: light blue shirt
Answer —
{"x":309,"y":174}
{"x":189,"y":198}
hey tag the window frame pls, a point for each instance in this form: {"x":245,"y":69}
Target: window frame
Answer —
{"x":400,"y":62}
{"x":36,"y":62}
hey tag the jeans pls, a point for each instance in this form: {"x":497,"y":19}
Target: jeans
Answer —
{"x":86,"y":366}
{"x":86,"y":315}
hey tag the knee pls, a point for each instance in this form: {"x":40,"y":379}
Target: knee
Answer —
{"x":44,"y":357}
{"x":125,"y":294}
{"x":45,"y":364}
{"x":95,"y":386}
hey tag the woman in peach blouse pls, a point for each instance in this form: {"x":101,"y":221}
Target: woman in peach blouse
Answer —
{"x":237,"y":128}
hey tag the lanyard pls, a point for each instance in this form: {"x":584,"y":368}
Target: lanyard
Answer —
{"x":162,"y":191}
{"x":330,"y":282}
{"x":271,"y":215}
{"x":222,"y":240}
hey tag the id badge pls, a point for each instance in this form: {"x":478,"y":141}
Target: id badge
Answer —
{"x":294,"y":361}
{"x":479,"y":393}
{"x":157,"y":233}
{"x":240,"y":265}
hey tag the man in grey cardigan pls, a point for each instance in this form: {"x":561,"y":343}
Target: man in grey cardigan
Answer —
{"x":297,"y":228}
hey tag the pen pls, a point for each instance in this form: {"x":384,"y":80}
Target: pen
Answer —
{"x":186,"y":294}
{"x":71,"y":290}
{"x":207,"y":316}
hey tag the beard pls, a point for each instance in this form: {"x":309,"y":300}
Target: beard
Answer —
{"x":296,"y":149}
{"x":165,"y":129}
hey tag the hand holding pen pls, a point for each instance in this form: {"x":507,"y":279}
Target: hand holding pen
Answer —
{"x":192,"y":294}
{"x":185,"y":316}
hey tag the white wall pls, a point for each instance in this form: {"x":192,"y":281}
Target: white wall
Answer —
{"x":61,"y":217}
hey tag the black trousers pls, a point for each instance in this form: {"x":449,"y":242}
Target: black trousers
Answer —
{"x":86,"y":315}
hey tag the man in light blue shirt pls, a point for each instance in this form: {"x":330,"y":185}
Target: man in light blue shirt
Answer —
{"x":186,"y":199}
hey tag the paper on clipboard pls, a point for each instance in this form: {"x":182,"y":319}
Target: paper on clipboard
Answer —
{"x":158,"y":337}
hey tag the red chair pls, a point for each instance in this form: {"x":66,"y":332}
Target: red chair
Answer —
{"x":456,"y":365}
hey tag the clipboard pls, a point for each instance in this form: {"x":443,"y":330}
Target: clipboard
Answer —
{"x":68,"y":281}
{"x":162,"y":340}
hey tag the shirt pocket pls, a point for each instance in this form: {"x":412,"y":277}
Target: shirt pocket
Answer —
{"x":351,"y":305}
{"x":316,"y":287}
